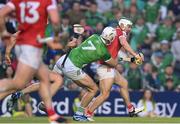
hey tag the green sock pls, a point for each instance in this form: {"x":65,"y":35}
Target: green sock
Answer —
{"x":80,"y":110}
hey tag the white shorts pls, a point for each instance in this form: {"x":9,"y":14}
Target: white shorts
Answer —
{"x":29,"y":55}
{"x":69,"y":69}
{"x":105,"y":72}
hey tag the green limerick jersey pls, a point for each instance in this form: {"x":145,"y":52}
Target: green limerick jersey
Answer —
{"x":92,"y":49}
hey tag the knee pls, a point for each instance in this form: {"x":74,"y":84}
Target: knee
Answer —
{"x":94,"y":89}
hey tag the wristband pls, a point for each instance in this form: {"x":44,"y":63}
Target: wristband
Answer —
{"x":132,"y":59}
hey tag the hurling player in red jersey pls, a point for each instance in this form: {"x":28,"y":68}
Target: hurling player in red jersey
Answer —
{"x":108,"y":75}
{"x":32,"y":20}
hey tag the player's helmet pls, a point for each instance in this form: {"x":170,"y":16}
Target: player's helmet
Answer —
{"x":108,"y":34}
{"x":125,"y":22}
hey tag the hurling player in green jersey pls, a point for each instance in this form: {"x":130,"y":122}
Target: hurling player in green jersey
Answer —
{"x":92,"y":49}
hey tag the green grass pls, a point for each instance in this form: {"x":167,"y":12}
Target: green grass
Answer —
{"x":35,"y":120}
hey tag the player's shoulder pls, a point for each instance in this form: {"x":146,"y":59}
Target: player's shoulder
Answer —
{"x":120,"y":33}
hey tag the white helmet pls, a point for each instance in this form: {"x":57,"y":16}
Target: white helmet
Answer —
{"x":108,"y":34}
{"x":125,"y":22}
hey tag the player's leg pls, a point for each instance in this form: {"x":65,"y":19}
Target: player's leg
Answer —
{"x":105,"y":89}
{"x":91,"y":89}
{"x":4,"y":94}
{"x":44,"y":91}
{"x":122,"y":82}
{"x":54,"y":87}
{"x":19,"y":81}
{"x":106,"y":77}
{"x":57,"y":82}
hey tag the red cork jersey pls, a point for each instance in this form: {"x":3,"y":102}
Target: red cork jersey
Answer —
{"x":32,"y":19}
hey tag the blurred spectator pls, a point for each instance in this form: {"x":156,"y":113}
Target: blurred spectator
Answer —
{"x":65,"y":30}
{"x":169,"y":85}
{"x":104,"y":5}
{"x":9,"y":72}
{"x":140,"y":4}
{"x":146,"y":47}
{"x":156,"y":59}
{"x":134,"y":77}
{"x":166,"y":30}
{"x":174,"y":8}
{"x":118,"y":4}
{"x":164,"y":8}
{"x":153,"y":80}
{"x":168,"y":58}
{"x":151,"y":11}
{"x":177,"y":88}
{"x":168,"y":74}
{"x":83,"y":22}
{"x":150,"y":108}
{"x":2,"y":67}
{"x":139,"y":32}
{"x":147,"y":70}
{"x":177,"y":23}
{"x":113,"y":17}
{"x":87,"y":32}
{"x":152,"y":14}
{"x":75,"y":14}
{"x":99,"y":28}
{"x":93,"y":16}
{"x":176,"y":52}
{"x":133,"y":13}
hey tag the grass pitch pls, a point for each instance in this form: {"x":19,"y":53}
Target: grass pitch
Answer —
{"x":36,"y":120}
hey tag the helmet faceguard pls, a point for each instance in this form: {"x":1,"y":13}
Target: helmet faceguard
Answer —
{"x":108,"y":35}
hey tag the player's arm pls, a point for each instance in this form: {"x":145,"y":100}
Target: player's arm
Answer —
{"x":9,"y":39}
{"x":10,"y":42}
{"x":109,"y":60}
{"x":8,"y":8}
{"x":127,"y":47}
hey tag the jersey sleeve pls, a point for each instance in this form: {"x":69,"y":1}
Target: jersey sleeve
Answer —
{"x":12,"y":4}
{"x":52,"y":4}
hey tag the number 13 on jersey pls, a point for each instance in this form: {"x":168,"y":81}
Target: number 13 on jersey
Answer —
{"x":28,"y":12}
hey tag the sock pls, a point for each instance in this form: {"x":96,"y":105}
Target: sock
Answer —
{"x":89,"y":113}
{"x":80,"y":110}
{"x":130,"y":108}
{"x":52,"y":114}
{"x":50,"y":111}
